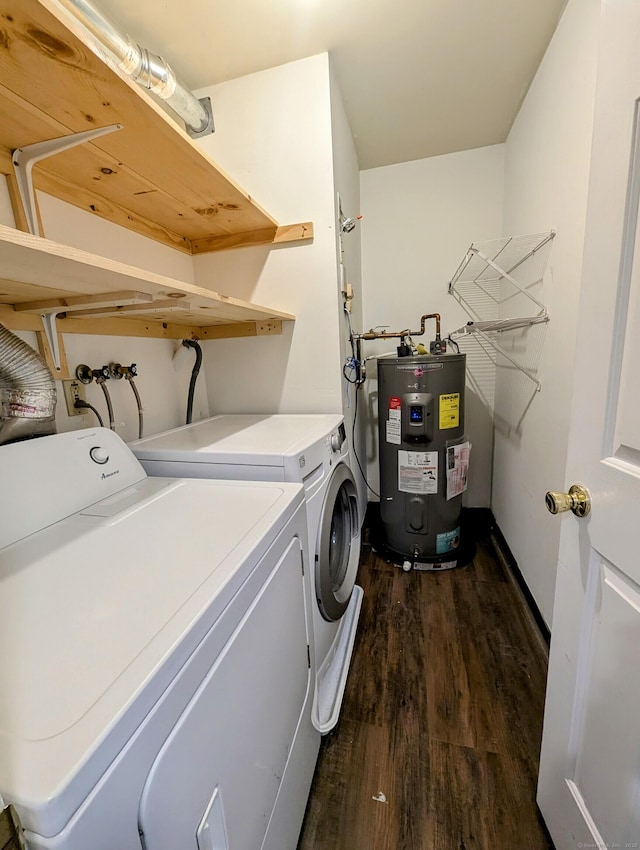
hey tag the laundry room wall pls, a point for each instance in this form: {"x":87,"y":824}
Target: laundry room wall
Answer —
{"x":163,"y":380}
{"x":419,"y":219}
{"x":546,"y":182}
{"x":348,"y":254}
{"x":273,"y":135}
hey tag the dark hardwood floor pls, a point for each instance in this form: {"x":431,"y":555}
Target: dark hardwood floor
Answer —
{"x":8,"y":838}
{"x":438,"y":741}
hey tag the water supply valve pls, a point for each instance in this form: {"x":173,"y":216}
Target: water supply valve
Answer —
{"x":117,"y":371}
{"x":86,"y":375}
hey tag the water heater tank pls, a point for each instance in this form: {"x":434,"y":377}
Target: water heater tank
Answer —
{"x":423,"y":458}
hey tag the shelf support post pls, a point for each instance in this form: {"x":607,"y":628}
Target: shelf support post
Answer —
{"x":25,"y":158}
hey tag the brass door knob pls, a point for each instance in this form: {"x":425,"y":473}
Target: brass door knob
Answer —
{"x":577,"y":500}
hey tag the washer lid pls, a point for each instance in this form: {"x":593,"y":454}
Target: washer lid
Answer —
{"x":242,"y":438}
{"x":101,"y":609}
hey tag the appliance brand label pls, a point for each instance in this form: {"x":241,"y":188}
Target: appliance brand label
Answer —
{"x":109,"y":474}
{"x":447,"y":541}
{"x":424,"y":367}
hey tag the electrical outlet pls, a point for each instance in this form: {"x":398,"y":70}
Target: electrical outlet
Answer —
{"x":74,"y":390}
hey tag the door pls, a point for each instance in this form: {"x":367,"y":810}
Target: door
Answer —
{"x":338,"y":547}
{"x":589,"y":785}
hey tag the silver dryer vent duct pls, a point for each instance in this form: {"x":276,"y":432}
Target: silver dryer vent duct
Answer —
{"x":27,"y":391}
{"x":152,"y":72}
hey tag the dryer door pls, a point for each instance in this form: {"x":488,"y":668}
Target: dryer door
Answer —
{"x":338,"y":545}
{"x":217,"y":777}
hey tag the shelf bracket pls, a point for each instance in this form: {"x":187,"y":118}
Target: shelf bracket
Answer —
{"x":51,"y":332}
{"x":25,"y":158}
{"x":50,"y":310}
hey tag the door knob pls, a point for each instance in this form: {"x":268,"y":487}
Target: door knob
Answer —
{"x":577,"y":500}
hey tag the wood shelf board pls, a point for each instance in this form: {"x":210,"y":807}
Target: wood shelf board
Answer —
{"x":34,"y":269}
{"x":54,"y":84}
{"x":139,"y":327}
{"x":91,"y":179}
{"x":301,"y":232}
{"x":84,"y":302}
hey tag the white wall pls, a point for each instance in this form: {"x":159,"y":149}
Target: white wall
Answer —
{"x":273,"y":136}
{"x":419,"y":218}
{"x":348,"y":253}
{"x":546,"y":177}
{"x":163,"y":381}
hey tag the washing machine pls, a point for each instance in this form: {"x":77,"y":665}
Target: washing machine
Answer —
{"x":309,"y":449}
{"x":156,"y":657}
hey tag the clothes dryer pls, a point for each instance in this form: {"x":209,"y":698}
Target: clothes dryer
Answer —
{"x":310,"y":449}
{"x":155,"y":653}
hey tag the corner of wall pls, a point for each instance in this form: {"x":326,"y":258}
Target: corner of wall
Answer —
{"x":546,"y":182}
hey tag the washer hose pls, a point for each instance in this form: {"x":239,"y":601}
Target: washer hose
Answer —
{"x":107,"y":398}
{"x":192,"y":343}
{"x":139,"y":403}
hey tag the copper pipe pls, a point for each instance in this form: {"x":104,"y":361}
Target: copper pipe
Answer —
{"x":401,"y":334}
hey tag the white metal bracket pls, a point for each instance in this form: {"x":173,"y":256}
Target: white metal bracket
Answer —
{"x":25,"y":158}
{"x":51,"y":333}
{"x":49,"y":311}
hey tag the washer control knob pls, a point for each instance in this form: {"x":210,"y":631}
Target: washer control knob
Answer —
{"x":98,"y":455}
{"x":337,"y":440}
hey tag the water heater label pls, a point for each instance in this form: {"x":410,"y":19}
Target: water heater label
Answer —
{"x":457,"y":469}
{"x":394,"y":421}
{"x":447,"y":541}
{"x":418,"y":472}
{"x":449,"y":411}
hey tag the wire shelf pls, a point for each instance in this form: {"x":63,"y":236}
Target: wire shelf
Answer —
{"x":496,"y":275}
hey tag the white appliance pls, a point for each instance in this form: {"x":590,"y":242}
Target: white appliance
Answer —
{"x":157,"y":680}
{"x":310,"y":449}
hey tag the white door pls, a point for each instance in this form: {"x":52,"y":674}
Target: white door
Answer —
{"x":589,"y":786}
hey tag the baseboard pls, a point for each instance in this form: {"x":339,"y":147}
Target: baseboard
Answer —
{"x":503,"y":550}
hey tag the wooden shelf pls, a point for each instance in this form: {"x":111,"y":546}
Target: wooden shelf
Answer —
{"x":38,"y":275}
{"x":150,"y":177}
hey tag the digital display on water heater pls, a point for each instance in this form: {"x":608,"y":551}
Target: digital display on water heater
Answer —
{"x":415,"y":414}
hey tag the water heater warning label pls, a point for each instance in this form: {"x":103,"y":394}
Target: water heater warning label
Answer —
{"x":418,"y":472}
{"x":449,"y":411}
{"x":394,"y":421}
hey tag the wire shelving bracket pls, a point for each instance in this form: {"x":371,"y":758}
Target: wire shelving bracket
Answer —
{"x":493,"y":273}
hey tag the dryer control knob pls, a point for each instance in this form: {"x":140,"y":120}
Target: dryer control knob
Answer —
{"x":336,"y":441}
{"x":99,"y":455}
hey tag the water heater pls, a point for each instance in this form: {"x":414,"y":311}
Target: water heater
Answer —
{"x":424,"y":458}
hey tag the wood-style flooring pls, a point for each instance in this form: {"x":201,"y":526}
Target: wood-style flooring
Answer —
{"x":8,"y":838}
{"x":438,"y":741}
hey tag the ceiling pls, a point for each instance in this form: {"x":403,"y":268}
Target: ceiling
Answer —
{"x":418,"y":78}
